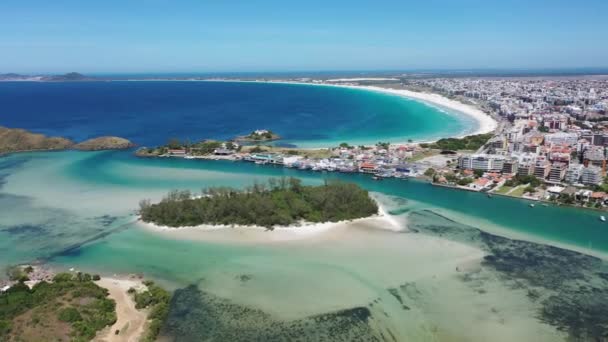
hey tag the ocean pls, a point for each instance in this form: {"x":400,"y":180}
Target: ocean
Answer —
{"x":150,"y":113}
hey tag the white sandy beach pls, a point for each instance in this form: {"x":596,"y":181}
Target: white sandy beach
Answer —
{"x":129,"y":321}
{"x":485,"y":122}
{"x":256,"y":234}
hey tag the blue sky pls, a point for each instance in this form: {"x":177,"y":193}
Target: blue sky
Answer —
{"x":268,"y":35}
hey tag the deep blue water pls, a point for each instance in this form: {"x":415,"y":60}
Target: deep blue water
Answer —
{"x":150,"y":113}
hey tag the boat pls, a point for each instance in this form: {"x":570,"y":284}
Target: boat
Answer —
{"x":531,"y":205}
{"x":376,"y":178}
{"x":489,"y":195}
{"x":602,"y":218}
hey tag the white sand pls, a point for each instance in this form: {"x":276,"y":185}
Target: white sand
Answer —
{"x":130,"y":321}
{"x":256,"y":234}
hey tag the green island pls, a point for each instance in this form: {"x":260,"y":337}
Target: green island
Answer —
{"x":71,"y":307}
{"x":471,"y":142}
{"x":259,"y":135}
{"x":283,"y":202}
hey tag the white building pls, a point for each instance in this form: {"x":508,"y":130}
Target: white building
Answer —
{"x":573,"y":175}
{"x":484,"y":162}
{"x":591,"y":175}
{"x":561,"y":138}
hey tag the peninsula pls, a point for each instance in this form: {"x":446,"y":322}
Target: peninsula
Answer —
{"x":20,"y":140}
{"x":281,"y":202}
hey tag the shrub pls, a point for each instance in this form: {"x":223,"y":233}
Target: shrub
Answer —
{"x":69,"y":315}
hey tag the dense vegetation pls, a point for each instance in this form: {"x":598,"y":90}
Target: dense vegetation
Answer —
{"x":40,"y":313}
{"x":280,"y":202}
{"x":471,"y":142}
{"x":158,"y":300}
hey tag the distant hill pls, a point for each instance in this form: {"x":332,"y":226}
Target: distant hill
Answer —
{"x":69,"y":77}
{"x":104,"y":143}
{"x":20,"y":140}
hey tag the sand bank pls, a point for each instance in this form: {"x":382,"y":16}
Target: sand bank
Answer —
{"x":256,"y":234}
{"x":130,"y":322}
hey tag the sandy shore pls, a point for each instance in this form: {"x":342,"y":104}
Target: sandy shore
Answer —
{"x":256,"y":234}
{"x":485,"y":122}
{"x":130,"y":321}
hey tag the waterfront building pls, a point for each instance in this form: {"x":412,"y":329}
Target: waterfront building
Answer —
{"x":573,"y":175}
{"x":510,"y":166}
{"x":557,"y":172}
{"x":525,"y":169}
{"x":483,"y":162}
{"x":591,"y":175}
{"x":542,"y":169}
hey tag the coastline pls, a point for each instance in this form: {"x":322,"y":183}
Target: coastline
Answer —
{"x":485,"y":122}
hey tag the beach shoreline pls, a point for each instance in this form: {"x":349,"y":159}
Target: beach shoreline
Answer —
{"x":485,"y":122}
{"x":257,"y":234}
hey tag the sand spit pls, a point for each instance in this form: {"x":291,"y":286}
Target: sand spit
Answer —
{"x":130,"y":322}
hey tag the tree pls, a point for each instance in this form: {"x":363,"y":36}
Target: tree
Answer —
{"x":174,"y":143}
{"x":344,"y":145}
{"x":464,"y":181}
{"x":530,"y":189}
{"x":430,"y":172}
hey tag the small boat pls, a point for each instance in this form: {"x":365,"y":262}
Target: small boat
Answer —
{"x":376,"y":178}
{"x":489,"y":195}
{"x":531,"y":205}
{"x":602,"y":218}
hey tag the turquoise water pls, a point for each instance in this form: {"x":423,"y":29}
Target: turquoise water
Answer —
{"x":150,"y":113}
{"x":89,"y":186}
{"x":76,"y":209}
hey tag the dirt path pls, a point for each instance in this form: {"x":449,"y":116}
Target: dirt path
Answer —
{"x":130,"y":322}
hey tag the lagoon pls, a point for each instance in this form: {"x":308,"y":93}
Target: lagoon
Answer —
{"x":91,"y":197}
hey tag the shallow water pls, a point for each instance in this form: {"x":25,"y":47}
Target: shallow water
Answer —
{"x":428,"y":283}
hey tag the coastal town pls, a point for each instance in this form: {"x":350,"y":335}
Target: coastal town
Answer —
{"x":548,"y":143}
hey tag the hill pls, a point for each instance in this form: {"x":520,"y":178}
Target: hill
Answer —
{"x":104,"y":143}
{"x":17,"y":140}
